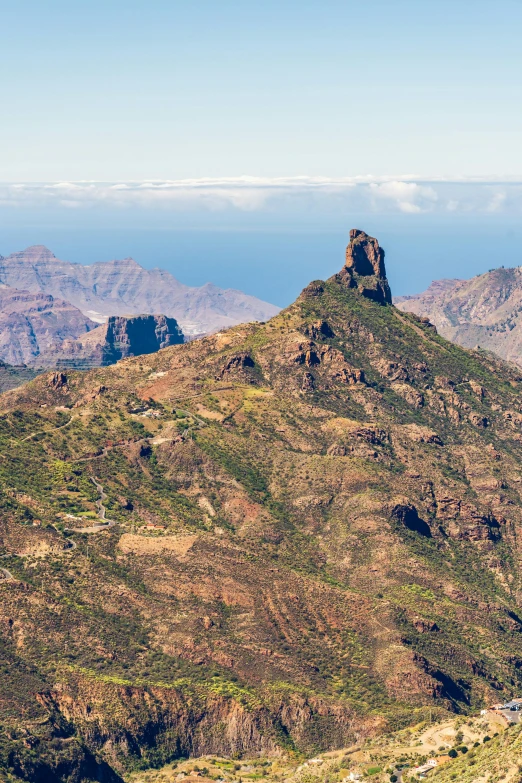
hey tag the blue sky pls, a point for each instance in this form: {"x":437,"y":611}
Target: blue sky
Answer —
{"x":420,"y":100}
{"x":199,"y":88}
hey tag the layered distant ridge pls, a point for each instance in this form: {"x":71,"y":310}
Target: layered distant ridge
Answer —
{"x":484,"y":312}
{"x":36,"y":324}
{"x":125,"y":288}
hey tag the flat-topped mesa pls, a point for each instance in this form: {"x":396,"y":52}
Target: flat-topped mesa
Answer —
{"x":364,"y":267}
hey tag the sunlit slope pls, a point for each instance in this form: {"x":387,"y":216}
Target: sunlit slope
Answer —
{"x":316,"y":539}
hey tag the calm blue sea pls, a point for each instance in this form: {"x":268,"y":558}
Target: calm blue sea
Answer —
{"x":276,"y":262}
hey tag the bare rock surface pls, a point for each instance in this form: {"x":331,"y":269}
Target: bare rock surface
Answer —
{"x":32,"y":324}
{"x":118,"y":339}
{"x":364,"y":268}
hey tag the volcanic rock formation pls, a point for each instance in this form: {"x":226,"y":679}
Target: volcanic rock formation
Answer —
{"x":364,"y":268}
{"x":316,"y":538}
{"x":118,"y":339}
{"x":32,"y":324}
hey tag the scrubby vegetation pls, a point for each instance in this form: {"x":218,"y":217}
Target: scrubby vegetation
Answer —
{"x":296,"y":535}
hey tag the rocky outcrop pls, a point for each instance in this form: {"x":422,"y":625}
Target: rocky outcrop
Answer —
{"x":237,"y":364}
{"x":364,"y":256}
{"x":364,"y":268}
{"x":118,"y":339}
{"x":126,"y":288}
{"x":41,"y":331}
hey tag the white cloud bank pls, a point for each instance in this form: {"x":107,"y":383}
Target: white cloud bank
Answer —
{"x":405,"y":193}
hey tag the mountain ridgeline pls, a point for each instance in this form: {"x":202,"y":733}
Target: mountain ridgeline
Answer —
{"x":125,"y":288}
{"x":285,"y":536}
{"x":485,"y":311}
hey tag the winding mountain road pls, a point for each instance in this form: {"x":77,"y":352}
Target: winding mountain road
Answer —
{"x":45,"y":432}
{"x":102,"y":513}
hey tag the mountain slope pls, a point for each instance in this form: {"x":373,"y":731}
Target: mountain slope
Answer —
{"x":12,"y":376}
{"x":124,"y":287}
{"x":484,"y":311}
{"x":317,"y":538}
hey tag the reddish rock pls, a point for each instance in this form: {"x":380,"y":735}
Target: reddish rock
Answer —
{"x":364,"y":267}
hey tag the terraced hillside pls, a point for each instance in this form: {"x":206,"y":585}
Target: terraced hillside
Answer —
{"x":316,"y":540}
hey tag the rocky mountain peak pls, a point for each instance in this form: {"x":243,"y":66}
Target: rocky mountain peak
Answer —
{"x":364,"y":267}
{"x":36,"y":253}
{"x":340,"y":474}
{"x":364,"y":255}
{"x":123,"y":262}
{"x":485,"y":311}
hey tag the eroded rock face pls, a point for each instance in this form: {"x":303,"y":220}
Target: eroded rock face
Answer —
{"x":408,"y":515}
{"x":237,"y":364}
{"x":33,"y":325}
{"x":59,"y":381}
{"x":364,"y":268}
{"x":364,"y":256}
{"x":118,"y":339}
{"x":425,"y":626}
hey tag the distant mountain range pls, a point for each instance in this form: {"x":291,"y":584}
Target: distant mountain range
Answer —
{"x":484,"y":312}
{"x":125,"y":288}
{"x":48,"y":307}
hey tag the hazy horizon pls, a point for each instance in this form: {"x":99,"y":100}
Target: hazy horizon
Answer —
{"x":238,"y":143}
{"x":270,"y":240}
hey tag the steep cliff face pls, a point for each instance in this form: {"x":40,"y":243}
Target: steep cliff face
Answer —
{"x":364,"y":268}
{"x":40,"y":331}
{"x":485,"y":311}
{"x":35,"y":324}
{"x":118,"y":339}
{"x":124,"y":287}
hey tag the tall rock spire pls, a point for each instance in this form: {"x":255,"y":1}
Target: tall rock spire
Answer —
{"x":364,"y":267}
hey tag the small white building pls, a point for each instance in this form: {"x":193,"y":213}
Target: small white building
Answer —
{"x":427,"y":767}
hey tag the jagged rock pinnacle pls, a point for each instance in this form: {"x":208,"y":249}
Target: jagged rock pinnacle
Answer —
{"x":364,"y":255}
{"x":364,"y":267}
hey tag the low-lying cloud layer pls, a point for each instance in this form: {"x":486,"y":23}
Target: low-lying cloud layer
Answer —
{"x":405,"y":194}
